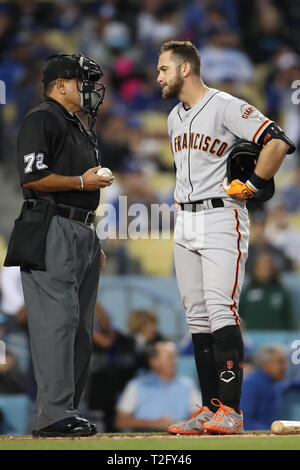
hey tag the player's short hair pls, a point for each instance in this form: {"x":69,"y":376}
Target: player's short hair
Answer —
{"x":184,"y":51}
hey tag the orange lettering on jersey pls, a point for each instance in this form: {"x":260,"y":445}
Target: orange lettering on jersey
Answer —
{"x":206,"y":144}
{"x":212,"y":148}
{"x":191,"y":143}
{"x":247,"y":112}
{"x":195,"y":143}
{"x":222,"y":149}
{"x":178,"y":143}
{"x":175,"y":144}
{"x":201,"y":140}
{"x":184,"y":141}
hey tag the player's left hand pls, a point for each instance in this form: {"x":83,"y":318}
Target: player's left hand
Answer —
{"x":238,"y":189}
{"x":102,"y":260}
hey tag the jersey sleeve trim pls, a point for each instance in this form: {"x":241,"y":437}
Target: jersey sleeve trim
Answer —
{"x":259,"y":130}
{"x":35,"y":177}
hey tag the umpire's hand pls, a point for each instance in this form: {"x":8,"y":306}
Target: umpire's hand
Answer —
{"x":92,"y":181}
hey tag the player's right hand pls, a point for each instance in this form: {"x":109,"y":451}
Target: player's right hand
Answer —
{"x":92,"y":181}
{"x":238,"y":190}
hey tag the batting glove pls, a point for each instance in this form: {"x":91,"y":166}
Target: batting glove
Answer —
{"x":238,"y":189}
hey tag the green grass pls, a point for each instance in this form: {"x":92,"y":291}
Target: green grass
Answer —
{"x":251,"y":442}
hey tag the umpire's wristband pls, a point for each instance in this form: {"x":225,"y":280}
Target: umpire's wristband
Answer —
{"x":81,"y":183}
{"x":256,"y":182}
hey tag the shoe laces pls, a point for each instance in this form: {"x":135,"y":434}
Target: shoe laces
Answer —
{"x":197,"y":412}
{"x":222,"y":411}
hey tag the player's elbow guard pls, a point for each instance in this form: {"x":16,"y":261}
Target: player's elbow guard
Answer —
{"x":273,"y":133}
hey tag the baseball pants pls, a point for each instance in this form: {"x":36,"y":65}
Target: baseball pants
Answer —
{"x":210,"y":251}
{"x":60,"y":304}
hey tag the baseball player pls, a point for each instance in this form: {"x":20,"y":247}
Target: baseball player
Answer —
{"x":55,"y":242}
{"x":212,"y":226}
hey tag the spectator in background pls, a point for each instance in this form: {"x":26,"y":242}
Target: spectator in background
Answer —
{"x":14,"y":65}
{"x":143,"y":325}
{"x":154,"y":401}
{"x":200,"y":16}
{"x":12,"y":304}
{"x":11,"y":376}
{"x":264,"y":303}
{"x":157,"y":22}
{"x":6,"y":26}
{"x":282,"y":96}
{"x":265,"y":29}
{"x":114,"y":146}
{"x":262,"y":388}
{"x":222,"y":60}
{"x":291,"y":194}
{"x":135,"y":186}
{"x":280,"y":233}
{"x":260,"y":244}
{"x":13,"y":401}
{"x":114,"y":362}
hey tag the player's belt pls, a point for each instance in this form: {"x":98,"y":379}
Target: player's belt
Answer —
{"x":205,"y":204}
{"x":69,"y":212}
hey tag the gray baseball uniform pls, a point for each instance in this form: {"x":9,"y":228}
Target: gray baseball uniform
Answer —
{"x":211,"y":243}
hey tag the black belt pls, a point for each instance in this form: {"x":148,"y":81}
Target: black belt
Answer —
{"x":196,"y":205}
{"x":69,"y":212}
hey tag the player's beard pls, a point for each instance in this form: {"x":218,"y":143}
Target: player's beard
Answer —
{"x":174,"y":88}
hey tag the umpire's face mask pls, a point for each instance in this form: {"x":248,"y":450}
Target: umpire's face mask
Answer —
{"x":91,"y":96}
{"x":91,"y":90}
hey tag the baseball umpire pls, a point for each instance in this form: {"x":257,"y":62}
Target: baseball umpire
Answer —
{"x":212,"y":226}
{"x":54,"y":240}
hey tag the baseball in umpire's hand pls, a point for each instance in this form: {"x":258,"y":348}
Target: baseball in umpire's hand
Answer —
{"x":238,"y":190}
{"x":93,"y":181}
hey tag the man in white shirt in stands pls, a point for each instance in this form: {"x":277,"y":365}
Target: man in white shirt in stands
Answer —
{"x":152,"y":401}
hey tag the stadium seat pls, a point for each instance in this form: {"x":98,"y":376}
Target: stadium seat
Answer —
{"x":15,"y":410}
{"x":186,"y":367}
{"x":155,"y":256}
{"x":290,"y":407}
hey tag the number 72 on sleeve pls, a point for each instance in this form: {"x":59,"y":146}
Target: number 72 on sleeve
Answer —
{"x":32,"y":158}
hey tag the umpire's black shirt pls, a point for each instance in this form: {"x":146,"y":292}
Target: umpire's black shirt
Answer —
{"x":52,"y":140}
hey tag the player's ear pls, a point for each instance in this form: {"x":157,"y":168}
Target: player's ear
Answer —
{"x":186,"y":69}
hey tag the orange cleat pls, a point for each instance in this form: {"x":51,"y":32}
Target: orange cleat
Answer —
{"x":225,"y":421}
{"x":193,"y":425}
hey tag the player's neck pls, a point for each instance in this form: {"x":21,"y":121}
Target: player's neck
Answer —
{"x":192,"y":93}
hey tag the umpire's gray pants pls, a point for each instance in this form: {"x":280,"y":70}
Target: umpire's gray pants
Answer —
{"x":60,"y":304}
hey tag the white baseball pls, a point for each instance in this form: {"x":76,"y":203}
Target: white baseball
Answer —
{"x":104,"y":172}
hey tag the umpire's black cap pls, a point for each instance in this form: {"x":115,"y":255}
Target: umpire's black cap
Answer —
{"x":68,"y":67}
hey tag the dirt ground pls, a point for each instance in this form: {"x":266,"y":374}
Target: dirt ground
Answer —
{"x":147,"y":436}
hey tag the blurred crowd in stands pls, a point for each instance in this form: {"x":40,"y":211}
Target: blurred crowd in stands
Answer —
{"x":249,"y":48}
